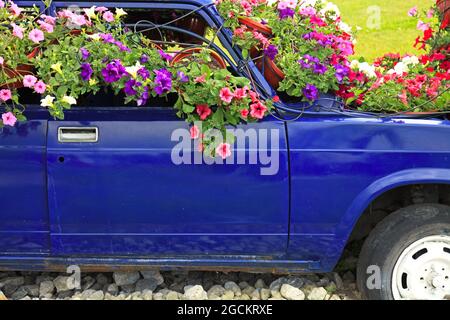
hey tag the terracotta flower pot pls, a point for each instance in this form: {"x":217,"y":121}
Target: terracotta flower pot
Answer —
{"x":272,"y":73}
{"x":256,"y":26}
{"x":21,"y":71}
{"x":217,"y":60}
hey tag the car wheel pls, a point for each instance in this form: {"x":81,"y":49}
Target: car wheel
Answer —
{"x":407,"y":256}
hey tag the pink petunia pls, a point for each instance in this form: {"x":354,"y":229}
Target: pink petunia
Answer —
{"x":430,"y":13}
{"x":223,"y":150}
{"x":195,"y":132}
{"x":404,"y":97}
{"x":40,"y":87}
{"x":5,"y":95}
{"x":29,"y":81}
{"x":201,"y":79}
{"x":226,"y":95}
{"x":36,"y":36}
{"x":240,"y":93}
{"x":257,"y":110}
{"x":2,"y":4}
{"x":17,"y":31}
{"x":412,"y":12}
{"x":78,"y":20}
{"x":422,"y":26}
{"x":244,"y":113}
{"x":47,"y":27}
{"x":204,"y":111}
{"x":108,"y":16}
{"x":101,"y":9}
{"x":2,"y":61}
{"x":9,"y":119}
{"x":15,"y":10}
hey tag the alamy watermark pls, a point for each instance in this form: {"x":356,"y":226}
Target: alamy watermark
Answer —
{"x":250,"y":146}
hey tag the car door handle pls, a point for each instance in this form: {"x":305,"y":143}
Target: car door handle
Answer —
{"x":77,"y":134}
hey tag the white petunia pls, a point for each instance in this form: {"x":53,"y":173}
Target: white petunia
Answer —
{"x":134,"y":69}
{"x":331,"y":10}
{"x":90,"y":12}
{"x":47,"y":101}
{"x":69,"y":100}
{"x":411,"y":60}
{"x":120,"y":12}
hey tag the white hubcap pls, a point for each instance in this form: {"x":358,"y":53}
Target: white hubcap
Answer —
{"x":423,"y":270}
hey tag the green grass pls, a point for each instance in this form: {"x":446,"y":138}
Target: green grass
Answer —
{"x":397,"y":30}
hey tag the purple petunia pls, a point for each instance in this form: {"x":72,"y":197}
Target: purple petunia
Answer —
{"x":271,"y":52}
{"x":164,"y":55}
{"x":143,"y":73}
{"x":308,"y":61}
{"x":86,"y":71}
{"x":286,"y":13}
{"x":121,"y":46}
{"x":341,"y":72}
{"x":85,"y":54}
{"x":129,"y":87}
{"x":107,"y":37}
{"x":163,"y":81}
{"x":311,"y":92}
{"x":143,"y":98}
{"x":182,"y":76}
{"x":114,"y":71}
{"x":320,"y":68}
{"x":144,"y":58}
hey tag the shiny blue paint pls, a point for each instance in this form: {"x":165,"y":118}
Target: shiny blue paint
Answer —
{"x":121,"y":202}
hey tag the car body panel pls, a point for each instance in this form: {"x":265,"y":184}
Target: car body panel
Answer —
{"x":110,"y":209}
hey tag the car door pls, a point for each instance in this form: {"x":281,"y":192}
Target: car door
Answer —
{"x":24,"y":227}
{"x":122,"y":193}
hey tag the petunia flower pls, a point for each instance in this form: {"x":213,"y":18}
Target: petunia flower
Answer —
{"x":226,"y":95}
{"x":36,"y":36}
{"x":69,"y":100}
{"x":195,"y":132}
{"x":86,"y":71}
{"x":5,"y":95}
{"x":163,"y":81}
{"x":29,"y":81}
{"x":47,"y":101}
{"x":15,"y":10}
{"x":258,"y":110}
{"x":203,"y":110}
{"x":17,"y":31}
{"x":108,"y":16}
{"x":223,"y":150}
{"x":9,"y":119}
{"x":311,"y":92}
{"x":40,"y":87}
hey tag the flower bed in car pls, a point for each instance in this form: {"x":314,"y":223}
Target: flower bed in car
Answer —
{"x":302,"y":47}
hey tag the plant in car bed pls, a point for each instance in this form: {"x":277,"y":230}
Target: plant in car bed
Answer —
{"x":308,"y":48}
{"x":397,"y":83}
{"x":21,"y":38}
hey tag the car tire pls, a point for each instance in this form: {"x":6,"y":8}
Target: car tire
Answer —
{"x":407,"y":255}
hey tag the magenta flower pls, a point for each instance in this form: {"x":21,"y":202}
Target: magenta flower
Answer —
{"x":286,"y":13}
{"x":29,"y":81}
{"x":9,"y":119}
{"x":36,"y":36}
{"x":5,"y":95}
{"x":412,"y":12}
{"x":164,"y":55}
{"x":40,"y":87}
{"x":143,"y":73}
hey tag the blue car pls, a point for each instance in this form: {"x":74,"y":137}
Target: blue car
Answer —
{"x":104,"y":189}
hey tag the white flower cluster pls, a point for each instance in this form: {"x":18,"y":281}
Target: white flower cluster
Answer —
{"x":404,"y":65}
{"x":364,"y":67}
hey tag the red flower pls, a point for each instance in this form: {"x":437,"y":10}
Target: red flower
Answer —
{"x":226,"y":95}
{"x":244,"y":113}
{"x":276,"y":99}
{"x":203,"y":111}
{"x":428,"y":34}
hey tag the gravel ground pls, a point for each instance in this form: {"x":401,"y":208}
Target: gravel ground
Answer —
{"x":178,"y":285}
